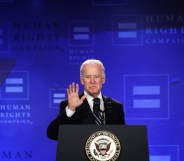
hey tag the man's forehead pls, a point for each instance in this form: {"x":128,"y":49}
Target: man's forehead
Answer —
{"x":86,"y":74}
{"x":92,"y":65}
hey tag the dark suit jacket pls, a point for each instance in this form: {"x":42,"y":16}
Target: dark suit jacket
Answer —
{"x":114,"y":114}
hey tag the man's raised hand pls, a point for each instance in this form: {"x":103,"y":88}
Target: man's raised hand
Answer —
{"x":73,"y":96}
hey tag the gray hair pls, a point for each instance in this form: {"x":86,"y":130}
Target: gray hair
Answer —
{"x":92,"y":61}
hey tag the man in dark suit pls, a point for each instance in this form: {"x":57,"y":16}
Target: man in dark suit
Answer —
{"x":80,"y":109}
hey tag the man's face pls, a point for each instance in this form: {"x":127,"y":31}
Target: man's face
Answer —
{"x":92,"y":78}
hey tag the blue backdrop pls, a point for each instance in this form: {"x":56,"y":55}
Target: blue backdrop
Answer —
{"x":42,"y":44}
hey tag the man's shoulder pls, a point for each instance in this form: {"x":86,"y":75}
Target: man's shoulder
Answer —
{"x":64,"y":102}
{"x":112,"y":100}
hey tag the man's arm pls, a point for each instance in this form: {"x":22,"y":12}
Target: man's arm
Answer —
{"x":73,"y":102}
{"x":116,"y":114}
{"x":121,"y":115}
{"x":53,"y":128}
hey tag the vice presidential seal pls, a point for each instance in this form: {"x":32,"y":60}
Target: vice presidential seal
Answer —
{"x":103,"y":146}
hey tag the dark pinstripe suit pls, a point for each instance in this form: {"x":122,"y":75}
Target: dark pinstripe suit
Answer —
{"x":83,"y":115}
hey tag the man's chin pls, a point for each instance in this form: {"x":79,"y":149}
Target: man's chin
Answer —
{"x":94,"y":94}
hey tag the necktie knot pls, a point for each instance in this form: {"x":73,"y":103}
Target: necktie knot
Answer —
{"x":96,"y":104}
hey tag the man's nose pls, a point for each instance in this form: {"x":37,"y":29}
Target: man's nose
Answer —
{"x":92,"y":80}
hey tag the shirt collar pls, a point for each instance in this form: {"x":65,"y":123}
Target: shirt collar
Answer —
{"x":90,"y":98}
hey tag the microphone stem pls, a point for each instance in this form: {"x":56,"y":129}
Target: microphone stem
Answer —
{"x":103,"y":118}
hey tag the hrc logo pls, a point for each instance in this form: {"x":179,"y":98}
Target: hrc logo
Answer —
{"x":56,"y":96}
{"x":127,"y":30}
{"x":147,"y":96}
{"x":81,"y":33}
{"x":15,"y":87}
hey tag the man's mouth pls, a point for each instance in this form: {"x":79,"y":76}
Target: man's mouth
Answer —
{"x":92,"y":86}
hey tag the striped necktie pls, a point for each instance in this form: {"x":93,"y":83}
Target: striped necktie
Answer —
{"x":97,"y":111}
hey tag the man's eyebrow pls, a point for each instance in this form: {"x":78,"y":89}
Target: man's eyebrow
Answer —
{"x":92,"y":74}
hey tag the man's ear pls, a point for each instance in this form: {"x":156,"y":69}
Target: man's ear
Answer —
{"x":81,"y":79}
{"x":104,"y":78}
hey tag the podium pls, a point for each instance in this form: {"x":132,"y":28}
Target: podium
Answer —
{"x":74,"y":142}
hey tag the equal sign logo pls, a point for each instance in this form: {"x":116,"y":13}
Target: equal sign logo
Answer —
{"x":81,"y":33}
{"x":160,"y":158}
{"x":58,"y":97}
{"x":14,"y":85}
{"x":146,"y":96}
{"x":127,"y":30}
{"x":146,"y":91}
{"x":164,"y":152}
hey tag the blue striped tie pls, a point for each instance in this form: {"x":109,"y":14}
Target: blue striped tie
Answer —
{"x":97,"y":111}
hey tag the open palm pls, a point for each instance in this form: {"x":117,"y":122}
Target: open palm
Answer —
{"x":73,"y":97}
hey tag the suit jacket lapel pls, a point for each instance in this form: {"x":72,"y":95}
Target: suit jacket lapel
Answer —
{"x":107,"y":109}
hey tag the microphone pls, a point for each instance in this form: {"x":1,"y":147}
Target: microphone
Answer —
{"x":103,"y":117}
{"x":108,"y":105}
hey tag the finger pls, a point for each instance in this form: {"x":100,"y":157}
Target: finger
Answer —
{"x":82,"y":98}
{"x":70,"y":89}
{"x":77,"y":88}
{"x":68,"y":92}
{"x":73,"y":87}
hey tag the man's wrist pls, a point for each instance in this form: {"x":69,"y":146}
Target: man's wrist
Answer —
{"x":69,"y":112}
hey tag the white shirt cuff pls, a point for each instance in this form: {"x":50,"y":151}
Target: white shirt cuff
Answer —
{"x":69,"y":112}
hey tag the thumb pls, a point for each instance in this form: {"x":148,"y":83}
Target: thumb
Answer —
{"x":82,"y":98}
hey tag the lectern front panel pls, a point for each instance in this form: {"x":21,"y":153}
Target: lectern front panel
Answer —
{"x":72,"y":142}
